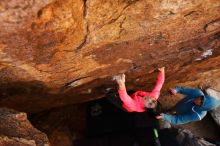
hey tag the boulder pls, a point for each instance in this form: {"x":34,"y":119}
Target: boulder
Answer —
{"x":216,"y":112}
{"x":16,"y":130}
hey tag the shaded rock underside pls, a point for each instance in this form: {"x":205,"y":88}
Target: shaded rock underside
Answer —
{"x":57,"y":53}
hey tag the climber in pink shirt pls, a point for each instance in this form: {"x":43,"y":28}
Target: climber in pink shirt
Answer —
{"x":140,"y":100}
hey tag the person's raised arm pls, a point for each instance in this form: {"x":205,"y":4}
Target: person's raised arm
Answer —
{"x":186,"y":91}
{"x":126,"y":99}
{"x":159,"y":83}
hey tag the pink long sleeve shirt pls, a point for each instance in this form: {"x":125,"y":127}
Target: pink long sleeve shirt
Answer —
{"x":135,"y":102}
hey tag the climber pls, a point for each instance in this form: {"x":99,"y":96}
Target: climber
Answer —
{"x":140,"y":100}
{"x":193,"y":107}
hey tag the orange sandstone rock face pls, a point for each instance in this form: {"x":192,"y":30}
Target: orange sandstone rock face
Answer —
{"x":16,"y":130}
{"x":56,"y":53}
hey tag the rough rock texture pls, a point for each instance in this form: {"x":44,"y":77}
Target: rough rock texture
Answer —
{"x":216,"y":112}
{"x":55,"y":53}
{"x":16,"y":130}
{"x":62,"y":125}
{"x":186,"y":137}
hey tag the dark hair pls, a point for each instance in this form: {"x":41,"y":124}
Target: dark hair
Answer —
{"x":201,"y":97}
{"x":155,"y":111}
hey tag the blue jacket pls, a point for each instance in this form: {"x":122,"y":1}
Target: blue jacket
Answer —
{"x":187,"y":111}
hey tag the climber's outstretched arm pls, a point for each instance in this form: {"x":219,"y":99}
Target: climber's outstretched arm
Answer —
{"x":159,"y":83}
{"x":126,"y":99}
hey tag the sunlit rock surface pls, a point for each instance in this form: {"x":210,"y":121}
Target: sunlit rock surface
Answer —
{"x":57,"y":53}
